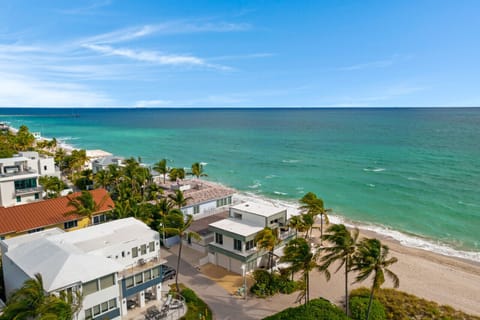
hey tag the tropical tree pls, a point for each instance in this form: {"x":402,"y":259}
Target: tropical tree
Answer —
{"x":197,"y":170}
{"x":103,"y":179}
{"x":267,"y":239}
{"x":371,"y":258}
{"x":177,"y":224}
{"x":52,"y":186}
{"x":343,"y":245}
{"x":313,"y":206}
{"x":161,"y":167}
{"x":296,"y":222}
{"x":84,"y":205}
{"x":24,"y":139}
{"x":32,"y":302}
{"x":302,"y":257}
{"x":177,"y":173}
{"x":178,"y":199}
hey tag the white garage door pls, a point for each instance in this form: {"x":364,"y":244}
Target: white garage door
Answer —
{"x":223,"y":261}
{"x":236,"y":266}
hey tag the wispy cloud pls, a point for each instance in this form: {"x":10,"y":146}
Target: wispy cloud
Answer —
{"x":243,"y":56}
{"x":375,"y":64}
{"x":152,"y":103}
{"x":89,"y":9}
{"x":166,"y":28}
{"x":24,"y":91}
{"x":153,"y":56}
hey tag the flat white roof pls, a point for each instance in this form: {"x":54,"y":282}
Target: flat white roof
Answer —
{"x":65,"y":258}
{"x":259,"y":209}
{"x":236,"y":227}
{"x":108,"y":234}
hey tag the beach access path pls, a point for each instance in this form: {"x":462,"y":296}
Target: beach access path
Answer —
{"x":428,"y":275}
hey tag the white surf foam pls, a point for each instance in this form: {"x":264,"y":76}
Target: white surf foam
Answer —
{"x":404,"y":239}
{"x":374,"y":169}
{"x":291,"y":161}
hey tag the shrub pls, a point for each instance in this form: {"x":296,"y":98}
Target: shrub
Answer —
{"x":267,"y":284}
{"x":359,"y":307}
{"x":196,"y":308}
{"x":316,"y":309}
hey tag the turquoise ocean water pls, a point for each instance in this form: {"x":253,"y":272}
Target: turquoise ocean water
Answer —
{"x":413,"y":174}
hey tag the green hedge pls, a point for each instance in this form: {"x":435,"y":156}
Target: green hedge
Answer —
{"x":267,"y":284}
{"x":359,"y":307}
{"x":316,"y":309}
{"x":196,"y":308}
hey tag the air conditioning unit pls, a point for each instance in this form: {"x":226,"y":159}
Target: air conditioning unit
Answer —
{"x":141,"y":262}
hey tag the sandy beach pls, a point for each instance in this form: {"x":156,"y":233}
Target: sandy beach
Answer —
{"x":435,"y":277}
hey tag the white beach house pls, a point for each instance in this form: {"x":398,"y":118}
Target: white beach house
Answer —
{"x":234,"y":246}
{"x":108,"y":263}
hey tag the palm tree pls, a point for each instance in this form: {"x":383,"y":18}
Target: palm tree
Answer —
{"x":267,"y":239}
{"x":84,"y":205}
{"x":161,"y":167}
{"x":103,"y":179}
{"x":176,"y":173}
{"x":343,"y":249}
{"x":32,"y":302}
{"x":52,"y":186}
{"x":302,"y":257}
{"x":177,"y":224}
{"x":178,"y":199}
{"x":197,"y":170}
{"x":296,"y":222}
{"x":314,"y":206}
{"x":371,"y":258}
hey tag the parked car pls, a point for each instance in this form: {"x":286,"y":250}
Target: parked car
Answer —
{"x":168,"y":273}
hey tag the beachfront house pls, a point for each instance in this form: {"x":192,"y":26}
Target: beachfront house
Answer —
{"x":234,"y":246}
{"x":18,"y":182}
{"x":114,"y":265}
{"x":44,"y":165}
{"x":51,"y":213}
{"x":102,"y":163}
{"x":203,"y":198}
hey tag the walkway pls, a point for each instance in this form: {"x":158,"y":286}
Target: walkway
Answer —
{"x":224,"y":305}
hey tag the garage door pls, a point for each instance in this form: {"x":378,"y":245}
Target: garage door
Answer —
{"x":236,"y":266}
{"x":223,"y":261}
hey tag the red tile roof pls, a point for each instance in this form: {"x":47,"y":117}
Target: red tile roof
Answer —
{"x":46,"y":213}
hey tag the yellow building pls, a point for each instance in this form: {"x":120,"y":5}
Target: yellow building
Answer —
{"x":51,"y":213}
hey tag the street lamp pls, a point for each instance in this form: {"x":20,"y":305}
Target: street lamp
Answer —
{"x":244,"y":274}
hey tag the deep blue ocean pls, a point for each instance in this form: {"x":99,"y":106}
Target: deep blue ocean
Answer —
{"x":413,"y":174}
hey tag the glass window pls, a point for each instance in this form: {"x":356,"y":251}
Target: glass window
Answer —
{"x":123,"y":254}
{"x":134,"y":252}
{"x":96,"y":310}
{"x":147,"y":275}
{"x":88,"y":314}
{"x":19,"y":199}
{"x":155,"y":272}
{"x":143,"y":249}
{"x":129,"y":282}
{"x":37,"y":196}
{"x":112,"y":303}
{"x":218,"y":238}
{"x":90,"y":287}
{"x":105,"y":306}
{"x":70,"y":224}
{"x":237,"y":244}
{"x":107,"y":281}
{"x":151,"y":246}
{"x":249,"y":245}
{"x":138,"y":279}
{"x":196,"y":209}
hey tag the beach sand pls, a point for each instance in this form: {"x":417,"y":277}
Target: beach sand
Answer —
{"x":432,"y":276}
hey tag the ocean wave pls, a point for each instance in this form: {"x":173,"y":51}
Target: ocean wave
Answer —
{"x":291,"y":161}
{"x":374,"y":169}
{"x":404,"y":239}
{"x":271,"y":176}
{"x":280,"y":193}
{"x":256,"y":184}
{"x":371,"y":185}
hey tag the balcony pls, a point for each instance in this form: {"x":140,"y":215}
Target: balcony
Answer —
{"x":20,"y":192}
{"x":142,"y":265}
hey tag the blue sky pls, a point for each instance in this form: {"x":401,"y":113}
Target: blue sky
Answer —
{"x":415,"y":53}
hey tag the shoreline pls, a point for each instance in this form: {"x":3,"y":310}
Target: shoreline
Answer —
{"x":403,"y":238}
{"x":445,"y":279}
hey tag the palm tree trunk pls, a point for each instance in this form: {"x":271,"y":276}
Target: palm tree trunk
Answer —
{"x":308,"y":287}
{"x":370,"y":302}
{"x":178,"y":264}
{"x":321,"y":228}
{"x":346,"y":287}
